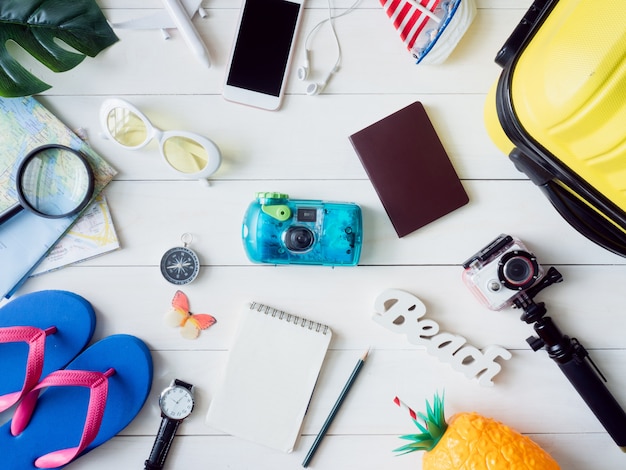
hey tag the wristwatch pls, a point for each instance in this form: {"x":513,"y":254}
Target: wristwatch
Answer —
{"x":176,"y":403}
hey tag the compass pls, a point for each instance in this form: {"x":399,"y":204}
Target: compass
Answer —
{"x":180,"y":265}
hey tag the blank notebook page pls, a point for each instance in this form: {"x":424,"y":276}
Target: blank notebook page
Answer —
{"x":270,"y":375}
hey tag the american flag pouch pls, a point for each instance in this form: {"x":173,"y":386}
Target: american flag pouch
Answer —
{"x":430,"y":29}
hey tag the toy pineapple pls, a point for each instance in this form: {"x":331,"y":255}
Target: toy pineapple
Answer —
{"x":469,"y":441}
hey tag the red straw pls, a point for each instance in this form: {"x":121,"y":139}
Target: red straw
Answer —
{"x":401,"y":404}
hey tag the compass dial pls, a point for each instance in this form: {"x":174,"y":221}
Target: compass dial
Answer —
{"x":180,"y":265}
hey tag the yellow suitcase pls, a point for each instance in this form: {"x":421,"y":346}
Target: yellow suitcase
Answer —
{"x":558,"y":110}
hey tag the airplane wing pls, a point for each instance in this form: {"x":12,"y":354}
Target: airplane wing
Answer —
{"x":159,"y":20}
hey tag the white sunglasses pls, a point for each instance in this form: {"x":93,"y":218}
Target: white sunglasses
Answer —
{"x":191,"y":155}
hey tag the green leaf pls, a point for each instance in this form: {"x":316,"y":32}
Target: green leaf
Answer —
{"x":415,"y":446}
{"x":431,"y":431}
{"x":37,"y":25}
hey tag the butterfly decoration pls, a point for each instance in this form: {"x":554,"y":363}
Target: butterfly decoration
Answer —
{"x":191,"y":324}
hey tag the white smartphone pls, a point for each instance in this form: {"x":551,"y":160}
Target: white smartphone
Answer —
{"x":261,"y":54}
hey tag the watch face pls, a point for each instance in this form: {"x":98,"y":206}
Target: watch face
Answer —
{"x":180,"y":265}
{"x":176,"y":402}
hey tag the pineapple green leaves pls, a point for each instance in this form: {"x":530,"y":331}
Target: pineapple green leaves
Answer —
{"x":38,"y":26}
{"x":431,"y":431}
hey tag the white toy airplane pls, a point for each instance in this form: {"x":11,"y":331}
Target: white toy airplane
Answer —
{"x":176,"y":15}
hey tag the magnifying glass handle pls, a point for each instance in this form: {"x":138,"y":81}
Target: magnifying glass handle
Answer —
{"x":10,"y":212}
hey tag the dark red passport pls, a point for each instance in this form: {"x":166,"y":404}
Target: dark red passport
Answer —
{"x":409,"y":169}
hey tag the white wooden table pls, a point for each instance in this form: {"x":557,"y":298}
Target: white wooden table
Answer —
{"x":303,"y":150}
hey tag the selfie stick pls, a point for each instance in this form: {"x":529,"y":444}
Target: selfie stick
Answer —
{"x":573,"y":360}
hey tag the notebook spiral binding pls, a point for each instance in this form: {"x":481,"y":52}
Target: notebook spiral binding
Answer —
{"x":288,"y":317}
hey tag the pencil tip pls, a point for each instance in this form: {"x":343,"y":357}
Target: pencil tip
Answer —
{"x":365,"y":354}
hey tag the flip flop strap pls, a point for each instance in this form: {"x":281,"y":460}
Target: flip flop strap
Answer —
{"x":97,"y":382}
{"x":36,"y":340}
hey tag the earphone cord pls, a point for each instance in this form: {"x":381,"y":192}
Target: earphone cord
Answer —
{"x":331,"y":19}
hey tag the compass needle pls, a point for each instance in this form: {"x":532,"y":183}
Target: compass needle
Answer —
{"x":180,"y":265}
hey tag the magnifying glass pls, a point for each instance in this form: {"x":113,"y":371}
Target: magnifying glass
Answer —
{"x":52,"y":181}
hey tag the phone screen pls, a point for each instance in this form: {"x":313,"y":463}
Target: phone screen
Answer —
{"x":261,"y":51}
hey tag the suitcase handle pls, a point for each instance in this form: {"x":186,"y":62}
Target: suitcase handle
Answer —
{"x":585,"y":219}
{"x":526,"y":28}
{"x":575,"y":211}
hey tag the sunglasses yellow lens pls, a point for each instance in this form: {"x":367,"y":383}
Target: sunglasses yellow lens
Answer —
{"x":126,"y":127}
{"x":185,"y":154}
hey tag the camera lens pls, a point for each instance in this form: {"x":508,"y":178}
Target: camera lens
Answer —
{"x":298,"y":239}
{"x":518,"y":270}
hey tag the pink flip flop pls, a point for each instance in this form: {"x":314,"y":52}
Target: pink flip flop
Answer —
{"x":74,"y":410}
{"x":39,"y":333}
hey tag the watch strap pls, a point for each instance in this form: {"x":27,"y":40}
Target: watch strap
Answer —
{"x":165,"y":436}
{"x":162,"y":444}
{"x":182,"y":384}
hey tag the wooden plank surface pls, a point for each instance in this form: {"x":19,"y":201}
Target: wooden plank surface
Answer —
{"x":303,"y":150}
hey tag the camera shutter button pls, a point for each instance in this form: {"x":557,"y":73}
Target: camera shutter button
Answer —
{"x":494,"y":285}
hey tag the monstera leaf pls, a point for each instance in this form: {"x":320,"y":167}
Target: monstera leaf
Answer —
{"x":38,"y":26}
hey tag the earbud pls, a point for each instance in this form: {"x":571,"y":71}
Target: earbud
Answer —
{"x":303,"y":70}
{"x":313,"y":89}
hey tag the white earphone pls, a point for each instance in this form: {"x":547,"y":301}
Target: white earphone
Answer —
{"x":303,"y":72}
{"x":316,"y":88}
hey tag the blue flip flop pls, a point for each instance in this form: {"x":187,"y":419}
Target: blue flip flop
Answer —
{"x":40,"y":332}
{"x":80,"y":407}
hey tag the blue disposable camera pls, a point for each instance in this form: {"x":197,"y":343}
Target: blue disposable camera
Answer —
{"x":279,"y":230}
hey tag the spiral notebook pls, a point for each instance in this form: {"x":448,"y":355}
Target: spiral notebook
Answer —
{"x":270,"y":375}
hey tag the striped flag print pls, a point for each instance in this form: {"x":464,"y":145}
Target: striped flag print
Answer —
{"x":409,"y":17}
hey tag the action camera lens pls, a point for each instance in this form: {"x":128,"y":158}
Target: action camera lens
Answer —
{"x":518,"y":270}
{"x":298,"y":239}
